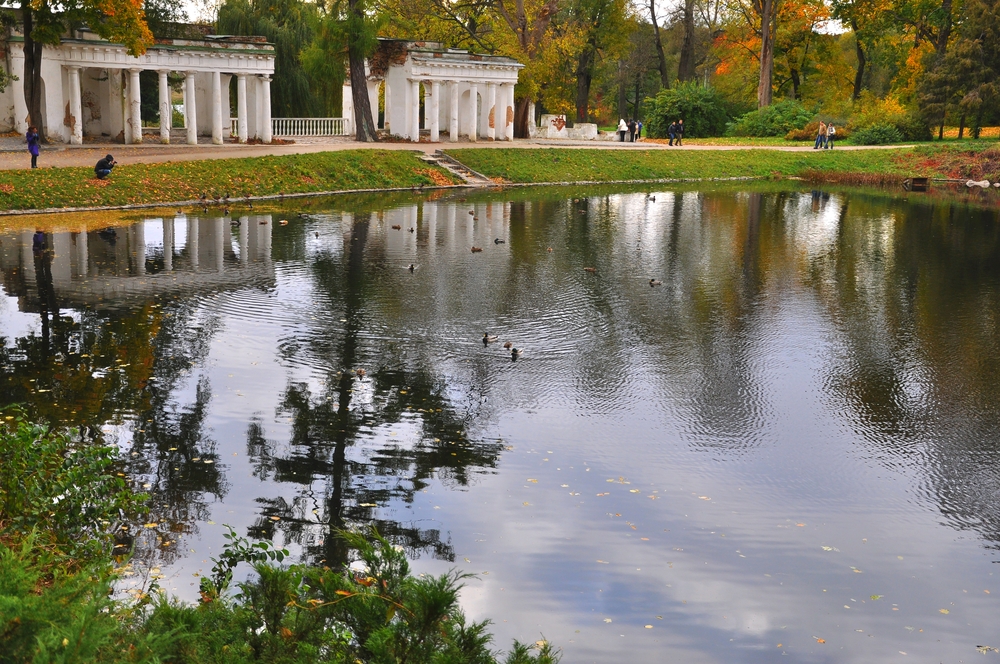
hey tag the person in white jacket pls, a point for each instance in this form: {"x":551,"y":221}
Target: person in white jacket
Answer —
{"x":622,"y":130}
{"x":831,"y":132}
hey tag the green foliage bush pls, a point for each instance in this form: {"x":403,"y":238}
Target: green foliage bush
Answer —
{"x":879,"y":134}
{"x":702,"y":109}
{"x":60,"y":505}
{"x":775,"y":120}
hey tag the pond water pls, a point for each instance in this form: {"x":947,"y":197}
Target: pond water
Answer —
{"x":790,"y":447}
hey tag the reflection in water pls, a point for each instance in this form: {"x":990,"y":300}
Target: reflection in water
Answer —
{"x":816,"y":370}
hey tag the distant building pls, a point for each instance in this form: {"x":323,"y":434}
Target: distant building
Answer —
{"x":90,"y":87}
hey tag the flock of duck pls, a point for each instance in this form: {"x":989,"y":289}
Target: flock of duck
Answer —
{"x":492,"y":338}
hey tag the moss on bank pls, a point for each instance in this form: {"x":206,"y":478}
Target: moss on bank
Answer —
{"x":253,"y":176}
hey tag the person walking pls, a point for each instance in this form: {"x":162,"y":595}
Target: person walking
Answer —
{"x":672,"y":132}
{"x":32,"y":138}
{"x":631,"y":131}
{"x":638,"y":130}
{"x":831,"y":132}
{"x":680,"y":131}
{"x":820,"y":136}
{"x":622,"y":128}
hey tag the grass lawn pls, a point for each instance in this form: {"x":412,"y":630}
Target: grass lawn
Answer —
{"x":570,"y":165}
{"x":254,"y":176}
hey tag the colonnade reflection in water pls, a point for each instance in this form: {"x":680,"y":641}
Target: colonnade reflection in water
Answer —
{"x":878,"y":310}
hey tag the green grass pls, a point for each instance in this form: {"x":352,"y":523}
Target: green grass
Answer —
{"x":569,"y":165}
{"x":179,"y":181}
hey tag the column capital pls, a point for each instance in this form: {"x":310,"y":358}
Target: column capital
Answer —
{"x":73,"y":67}
{"x":134,"y":70}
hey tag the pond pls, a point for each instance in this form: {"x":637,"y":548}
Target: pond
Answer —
{"x":789,"y":447}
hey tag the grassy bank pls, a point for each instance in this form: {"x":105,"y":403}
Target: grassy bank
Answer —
{"x":849,"y":166}
{"x":180,"y":181}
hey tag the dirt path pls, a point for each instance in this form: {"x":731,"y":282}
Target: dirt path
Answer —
{"x":13,"y":157}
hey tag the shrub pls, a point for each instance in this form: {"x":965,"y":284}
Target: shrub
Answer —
{"x":702,"y":109}
{"x":774,"y":120}
{"x":872,"y":112}
{"x":880,"y":134}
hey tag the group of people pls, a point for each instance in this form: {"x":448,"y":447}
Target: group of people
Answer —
{"x":630,"y":131}
{"x":824,"y":136}
{"x":676,"y":131}
{"x":34,"y":141}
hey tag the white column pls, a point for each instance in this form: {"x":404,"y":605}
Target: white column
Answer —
{"x":453,"y":113}
{"x":508,"y":115}
{"x":82,"y":260}
{"x":265,"y":93}
{"x":134,"y":105}
{"x":473,"y":112}
{"x":244,"y":239}
{"x":216,"y":108}
{"x":75,"y":107}
{"x":190,"y":109}
{"x":17,"y":89}
{"x":241,"y":107}
{"x":372,"y":101}
{"x":192,"y":241}
{"x":415,"y":111}
{"x":168,"y":243}
{"x":493,"y":112}
{"x":435,"y":111}
{"x":166,"y":109}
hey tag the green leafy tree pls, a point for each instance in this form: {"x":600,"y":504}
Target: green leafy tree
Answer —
{"x":702,"y":109}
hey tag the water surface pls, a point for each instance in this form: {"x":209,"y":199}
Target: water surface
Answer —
{"x":790,"y":447}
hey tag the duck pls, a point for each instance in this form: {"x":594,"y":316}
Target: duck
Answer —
{"x":652,"y":198}
{"x":499,"y":241}
{"x":412,"y":229}
{"x":476,"y":250}
{"x":360,"y":373}
{"x":590,"y":269}
{"x":283,"y":222}
{"x":124,"y":541}
{"x":472,"y":212}
{"x":489,"y":338}
{"x":180,"y":212}
{"x":508,"y":345}
{"x":316,"y":234}
{"x":235,"y":223}
{"x":225,"y":212}
{"x":411,"y":268}
{"x":549,"y":249}
{"x":397,"y":227}
{"x":655,"y":282}
{"x":515,"y":353}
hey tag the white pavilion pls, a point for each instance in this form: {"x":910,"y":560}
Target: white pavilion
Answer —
{"x":464,"y":94}
{"x":90,"y":87}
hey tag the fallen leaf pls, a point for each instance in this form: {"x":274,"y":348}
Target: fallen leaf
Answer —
{"x":275,"y":518}
{"x":152,"y":525}
{"x":532,"y":480}
{"x":779,"y":645}
{"x":526,"y":503}
{"x":607,"y":620}
{"x":801,"y":525}
{"x":828,"y":548}
{"x":633,"y":491}
{"x":877,"y":597}
{"x":820,"y":640}
{"x":944,"y":611}
{"x":649,"y":627}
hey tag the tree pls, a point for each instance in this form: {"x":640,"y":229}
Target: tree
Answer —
{"x":661,"y":57}
{"x":605,"y":32}
{"x":685,"y":68}
{"x":45,"y":22}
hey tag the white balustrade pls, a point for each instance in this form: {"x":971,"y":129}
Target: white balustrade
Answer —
{"x":309,"y":126}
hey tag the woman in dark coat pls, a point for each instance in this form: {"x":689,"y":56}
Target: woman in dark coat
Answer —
{"x":32,"y":138}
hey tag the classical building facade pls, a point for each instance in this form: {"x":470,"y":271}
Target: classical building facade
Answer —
{"x":463,"y":94}
{"x":90,"y":87}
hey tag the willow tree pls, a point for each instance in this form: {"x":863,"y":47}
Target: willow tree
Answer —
{"x":46,"y":21}
{"x":289,"y":25}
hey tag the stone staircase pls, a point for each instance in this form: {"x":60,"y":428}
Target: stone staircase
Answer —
{"x":457,"y":168}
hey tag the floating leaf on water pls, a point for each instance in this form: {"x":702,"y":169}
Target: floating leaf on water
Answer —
{"x":704,"y":498}
{"x":828,"y":548}
{"x":633,"y":491}
{"x":564,"y":486}
{"x":820,"y":640}
{"x":526,"y":503}
{"x":533,"y":480}
{"x":607,"y":620}
{"x":649,"y":627}
{"x":604,"y":562}
{"x":877,"y":597}
{"x":275,"y":518}
{"x":986,"y":649}
{"x":944,"y":611}
{"x":151,"y":525}
{"x":369,"y":504}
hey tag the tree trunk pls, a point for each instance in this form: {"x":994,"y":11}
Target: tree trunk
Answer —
{"x":944,"y":32}
{"x":859,"y":76}
{"x":661,"y":58}
{"x":584,"y":76}
{"x":622,"y":91}
{"x":32,"y":71}
{"x":363,"y":124}
{"x":764,"y":92}
{"x":521,"y":118}
{"x":793,"y":75}
{"x":685,"y":68}
{"x":961,"y":126}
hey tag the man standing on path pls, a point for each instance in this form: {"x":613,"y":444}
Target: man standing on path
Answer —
{"x":680,"y":131}
{"x":672,"y":132}
{"x":631,"y":131}
{"x":820,"y":136}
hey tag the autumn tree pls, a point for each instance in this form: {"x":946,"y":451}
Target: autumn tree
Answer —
{"x":46,"y":21}
{"x":604,"y":30}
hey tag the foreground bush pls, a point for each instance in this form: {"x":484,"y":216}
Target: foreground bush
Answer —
{"x":880,"y":134}
{"x":873,"y":112}
{"x":702,"y":109}
{"x":60,"y":506}
{"x":775,"y":120}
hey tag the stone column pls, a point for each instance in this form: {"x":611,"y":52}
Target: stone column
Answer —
{"x":168,"y":243}
{"x":134,"y":105}
{"x":166,"y":108}
{"x":386,"y":124}
{"x":192,"y":241}
{"x":75,"y":107}
{"x":190,"y":109}
{"x":82,"y":258}
{"x":244,"y":240}
{"x":265,"y":92}
{"x":216,"y":108}
{"x":508,"y":113}
{"x":372,"y":101}
{"x":415,"y":111}
{"x":493,"y":114}
{"x":434,"y":109}
{"x":453,"y":113}
{"x":17,"y":90}
{"x":241,"y":107}
{"x":473,"y":112}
